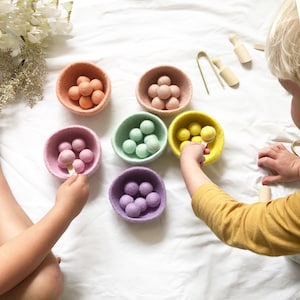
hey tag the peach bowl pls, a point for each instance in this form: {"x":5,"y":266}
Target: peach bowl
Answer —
{"x":68,"y":78}
{"x":68,"y":134}
{"x":183,"y":120}
{"x":178,"y":78}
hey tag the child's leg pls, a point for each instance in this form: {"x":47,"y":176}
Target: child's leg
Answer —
{"x":46,"y":281}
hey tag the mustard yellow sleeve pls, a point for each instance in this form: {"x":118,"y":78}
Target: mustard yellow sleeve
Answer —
{"x":271,"y":228}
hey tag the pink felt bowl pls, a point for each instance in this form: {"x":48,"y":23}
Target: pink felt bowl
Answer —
{"x":177,"y":77}
{"x":68,"y":77}
{"x":68,"y":134}
{"x":137,"y":174}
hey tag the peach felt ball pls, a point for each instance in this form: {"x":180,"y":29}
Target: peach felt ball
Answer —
{"x":96,"y":84}
{"x":85,"y":88}
{"x":85,"y":102}
{"x":97,"y":96}
{"x":74,"y":93}
{"x":82,"y":78}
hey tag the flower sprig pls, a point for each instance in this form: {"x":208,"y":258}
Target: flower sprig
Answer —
{"x":26,"y":29}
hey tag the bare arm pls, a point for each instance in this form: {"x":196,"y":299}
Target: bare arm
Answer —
{"x":21,"y":255}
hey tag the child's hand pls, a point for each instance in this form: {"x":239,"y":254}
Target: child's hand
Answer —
{"x":73,"y":194}
{"x":194,"y":151}
{"x":282,"y":164}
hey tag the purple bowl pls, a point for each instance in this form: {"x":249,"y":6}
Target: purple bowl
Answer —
{"x":68,"y":134}
{"x":139,"y":175}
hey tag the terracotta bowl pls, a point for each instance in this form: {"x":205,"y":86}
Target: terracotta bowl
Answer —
{"x":68,"y":134}
{"x":177,"y":77}
{"x":138,"y":175}
{"x":133,"y":121}
{"x":183,"y":120}
{"x":68,"y":78}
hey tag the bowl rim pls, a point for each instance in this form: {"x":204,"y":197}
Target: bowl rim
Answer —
{"x":97,"y":157}
{"x":164,"y":112}
{"x":118,"y":210}
{"x":148,"y":159}
{"x":79,"y":110}
{"x":181,"y":116}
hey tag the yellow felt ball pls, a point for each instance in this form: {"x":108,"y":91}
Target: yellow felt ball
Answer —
{"x":208,"y":134}
{"x":196,"y":138}
{"x":194,"y":128}
{"x":183,"y":134}
{"x":182,"y":144}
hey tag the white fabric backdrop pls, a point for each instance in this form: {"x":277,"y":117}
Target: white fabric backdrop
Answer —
{"x":176,"y":256}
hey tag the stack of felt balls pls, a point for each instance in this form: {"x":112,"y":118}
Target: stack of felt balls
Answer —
{"x":138,"y":198}
{"x":142,"y":141}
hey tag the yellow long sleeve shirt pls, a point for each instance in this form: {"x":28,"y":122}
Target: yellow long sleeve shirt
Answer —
{"x":271,"y":228}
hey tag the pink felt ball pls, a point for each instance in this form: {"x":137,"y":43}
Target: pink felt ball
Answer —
{"x":64,"y":146}
{"x":158,"y":103}
{"x":66,"y":157}
{"x":78,"y":165}
{"x":86,"y":155}
{"x":78,"y":144}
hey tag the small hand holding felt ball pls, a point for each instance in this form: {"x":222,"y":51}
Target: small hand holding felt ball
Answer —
{"x":138,"y":198}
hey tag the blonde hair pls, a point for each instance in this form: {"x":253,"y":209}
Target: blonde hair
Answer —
{"x":283,"y":43}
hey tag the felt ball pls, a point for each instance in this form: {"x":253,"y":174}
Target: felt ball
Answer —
{"x":141,"y":203}
{"x":141,"y":150}
{"x":150,"y":136}
{"x":152,"y":90}
{"x":132,"y":210}
{"x":158,"y":103}
{"x":208,"y":134}
{"x":147,"y":127}
{"x":182,"y":144}
{"x":136,"y":134}
{"x":74,"y":93}
{"x":175,"y":90}
{"x":172,"y":103}
{"x":97,"y":96}
{"x":125,"y":200}
{"x":64,"y":146}
{"x":82,"y":78}
{"x":78,"y":165}
{"x":78,"y":144}
{"x":85,"y":89}
{"x":197,"y":139}
{"x":183,"y":134}
{"x":153,"y":145}
{"x":164,"y":92}
{"x":129,"y":146}
{"x":85,"y":102}
{"x":86,"y":155}
{"x":131,"y":188}
{"x":145,"y":188}
{"x":153,"y":199}
{"x":194,"y":128}
{"x":66,"y":157}
{"x":164,"y":80}
{"x":96,"y":84}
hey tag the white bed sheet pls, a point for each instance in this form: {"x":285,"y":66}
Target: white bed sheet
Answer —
{"x":176,"y":256}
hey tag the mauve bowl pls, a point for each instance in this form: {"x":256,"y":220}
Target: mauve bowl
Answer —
{"x":68,"y":77}
{"x":204,"y":119}
{"x":68,"y":134}
{"x":122,"y":132}
{"x":177,"y":77}
{"x":137,"y":174}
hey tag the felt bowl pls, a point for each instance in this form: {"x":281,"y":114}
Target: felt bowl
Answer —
{"x":138,"y":175}
{"x":68,"y":134}
{"x":177,"y":77}
{"x":183,"y":120}
{"x":68,"y":77}
{"x":133,"y":121}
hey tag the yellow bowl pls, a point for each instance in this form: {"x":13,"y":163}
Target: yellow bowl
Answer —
{"x":183,"y":120}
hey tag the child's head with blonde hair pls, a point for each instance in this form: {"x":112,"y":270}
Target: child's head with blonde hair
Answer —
{"x":283,"y":43}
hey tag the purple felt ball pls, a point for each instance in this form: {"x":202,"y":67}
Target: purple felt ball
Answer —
{"x":145,"y":188}
{"x":131,"y":188}
{"x":153,"y":199}
{"x":141,"y":202}
{"x":125,"y":200}
{"x":132,"y":210}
